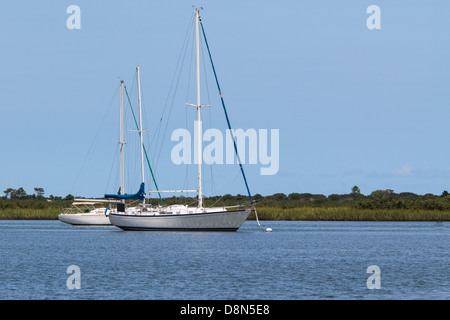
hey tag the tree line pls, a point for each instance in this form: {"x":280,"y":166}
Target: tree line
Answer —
{"x":378,"y":199}
{"x":20,"y":193}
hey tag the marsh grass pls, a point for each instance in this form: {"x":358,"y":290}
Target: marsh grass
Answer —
{"x":350,"y":214}
{"x":29,"y":214}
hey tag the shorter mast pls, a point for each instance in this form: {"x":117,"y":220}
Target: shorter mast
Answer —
{"x":140,"y":124}
{"x":121,"y":142}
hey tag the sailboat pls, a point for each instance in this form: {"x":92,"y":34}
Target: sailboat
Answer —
{"x":84,"y":212}
{"x":179,"y":217}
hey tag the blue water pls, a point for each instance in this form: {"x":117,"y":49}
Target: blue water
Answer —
{"x":298,"y":260}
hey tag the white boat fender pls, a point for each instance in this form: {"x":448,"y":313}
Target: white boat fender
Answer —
{"x":268,"y":229}
{"x":107,"y":210}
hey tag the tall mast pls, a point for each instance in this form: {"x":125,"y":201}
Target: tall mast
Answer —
{"x":121,"y":142}
{"x":199,"y":129}
{"x":140,"y":123}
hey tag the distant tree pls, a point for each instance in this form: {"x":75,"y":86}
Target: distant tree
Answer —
{"x":39,"y":192}
{"x":69,"y":197}
{"x":318,"y":197}
{"x":239,"y":197}
{"x":388,"y":194}
{"x":334,"y":197}
{"x":377,"y":194}
{"x":19,"y":193}
{"x":407,"y":196}
{"x":279,"y":197}
{"x":227,"y":197}
{"x":341,"y":197}
{"x":257,"y":197}
{"x":427,"y":196}
{"x":444,"y":193}
{"x":356,"y":191}
{"x":8,"y":192}
{"x":295,"y":196}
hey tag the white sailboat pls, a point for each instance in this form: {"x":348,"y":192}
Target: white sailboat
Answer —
{"x":84,"y":213}
{"x":178,"y":217}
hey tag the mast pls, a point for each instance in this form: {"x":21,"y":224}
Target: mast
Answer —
{"x":199,"y":129}
{"x":140,"y":123}
{"x":121,"y":142}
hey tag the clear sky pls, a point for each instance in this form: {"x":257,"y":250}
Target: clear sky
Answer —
{"x":353,"y":105}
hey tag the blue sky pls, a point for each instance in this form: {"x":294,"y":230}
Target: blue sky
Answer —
{"x":353,"y":106}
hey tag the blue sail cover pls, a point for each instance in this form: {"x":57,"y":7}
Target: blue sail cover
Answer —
{"x":140,"y":195}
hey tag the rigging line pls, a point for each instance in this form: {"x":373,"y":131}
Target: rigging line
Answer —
{"x":147,"y":136}
{"x":180,"y":59}
{"x":191,"y":62}
{"x":186,"y":167}
{"x":94,"y":140}
{"x":206,"y":76}
{"x":111,"y":170}
{"x":132,"y":163}
{"x":209,"y":113}
{"x":187,"y":97}
{"x":145,"y":151}
{"x":229,"y":181}
{"x":179,"y":66}
{"x":226,"y":114}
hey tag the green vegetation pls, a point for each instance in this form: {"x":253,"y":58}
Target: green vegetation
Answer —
{"x":29,"y":214}
{"x":18,"y":205}
{"x":380,"y":205}
{"x":350,"y":214}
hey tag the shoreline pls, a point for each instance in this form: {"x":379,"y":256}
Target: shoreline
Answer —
{"x":282,"y":214}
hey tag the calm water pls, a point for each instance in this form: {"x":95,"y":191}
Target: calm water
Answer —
{"x":298,"y":260}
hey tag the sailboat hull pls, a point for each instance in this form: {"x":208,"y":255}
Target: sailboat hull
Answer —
{"x":208,"y":221}
{"x":84,"y":219}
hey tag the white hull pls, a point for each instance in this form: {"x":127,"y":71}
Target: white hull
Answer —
{"x":83,"y":219}
{"x":207,"y":221}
